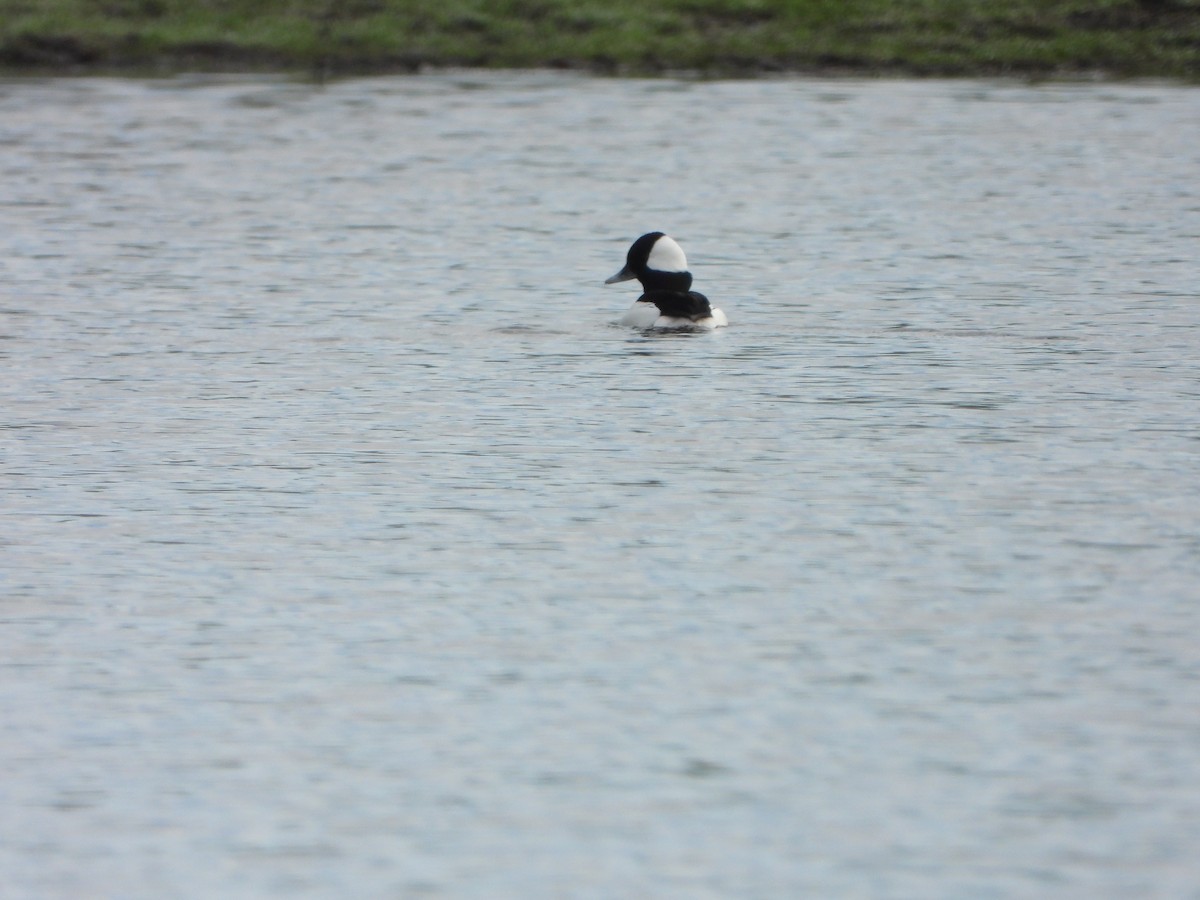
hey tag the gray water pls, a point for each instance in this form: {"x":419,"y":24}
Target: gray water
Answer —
{"x":348,"y":547}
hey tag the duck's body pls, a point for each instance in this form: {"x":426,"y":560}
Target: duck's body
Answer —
{"x":667,"y":299}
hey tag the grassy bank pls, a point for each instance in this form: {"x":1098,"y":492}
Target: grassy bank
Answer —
{"x":1123,"y":38}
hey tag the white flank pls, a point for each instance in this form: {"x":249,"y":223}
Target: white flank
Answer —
{"x":716,"y":320}
{"x":640,"y":315}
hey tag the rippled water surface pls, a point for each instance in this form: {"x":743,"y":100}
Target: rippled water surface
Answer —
{"x":348,"y":547}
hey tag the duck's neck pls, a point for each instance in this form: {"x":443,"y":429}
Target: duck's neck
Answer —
{"x":666,"y":281}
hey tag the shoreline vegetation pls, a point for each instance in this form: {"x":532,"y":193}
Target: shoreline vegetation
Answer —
{"x":1033,"y":39}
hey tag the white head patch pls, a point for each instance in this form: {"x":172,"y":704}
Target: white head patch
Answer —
{"x":666,"y":256}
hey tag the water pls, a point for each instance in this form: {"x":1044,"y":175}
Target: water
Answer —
{"x":349,"y":548}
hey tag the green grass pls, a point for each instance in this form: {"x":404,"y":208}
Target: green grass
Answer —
{"x":1035,"y":38}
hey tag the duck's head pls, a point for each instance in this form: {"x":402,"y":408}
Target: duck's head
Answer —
{"x":657,"y":262}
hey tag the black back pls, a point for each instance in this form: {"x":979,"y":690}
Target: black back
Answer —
{"x":680,"y":304}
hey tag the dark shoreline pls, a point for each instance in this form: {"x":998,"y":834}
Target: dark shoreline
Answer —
{"x":1032,"y":40}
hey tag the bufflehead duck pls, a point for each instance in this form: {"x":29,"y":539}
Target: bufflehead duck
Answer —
{"x":667,"y":300}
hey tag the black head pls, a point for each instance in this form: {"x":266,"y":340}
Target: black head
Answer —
{"x":657,"y":262}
